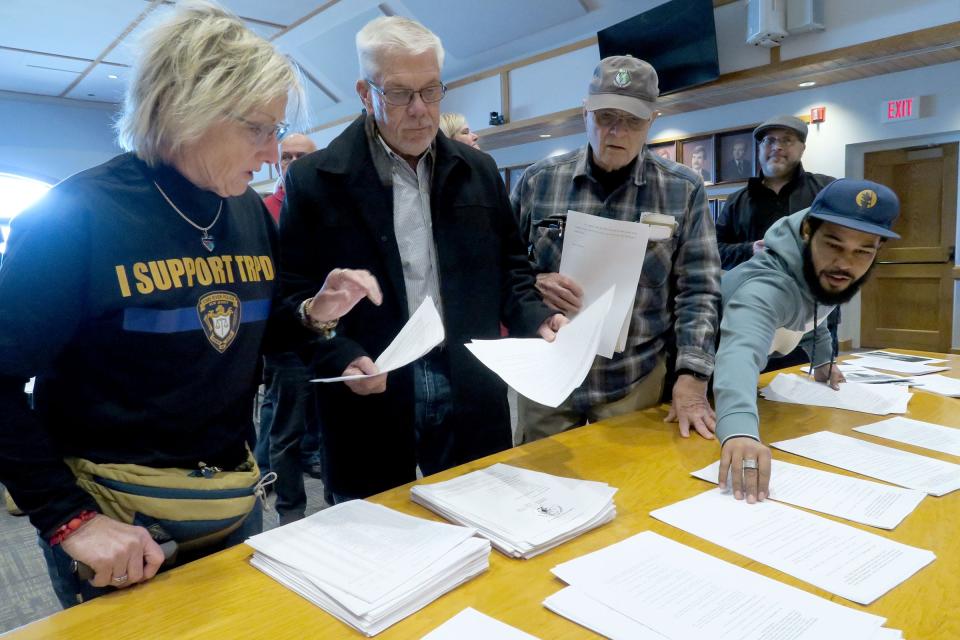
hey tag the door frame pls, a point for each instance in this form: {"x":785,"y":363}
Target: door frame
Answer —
{"x":850,"y":326}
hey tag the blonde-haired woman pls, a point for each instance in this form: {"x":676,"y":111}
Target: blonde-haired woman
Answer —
{"x":455,"y":127}
{"x":139,"y":293}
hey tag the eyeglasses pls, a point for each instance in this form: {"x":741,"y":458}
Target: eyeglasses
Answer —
{"x":607,"y":119}
{"x":784,"y":143}
{"x":403,"y":97}
{"x":264,"y":132}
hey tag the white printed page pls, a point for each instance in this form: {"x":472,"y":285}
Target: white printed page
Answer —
{"x":935,"y":437}
{"x":547,"y":372}
{"x":900,"y":366}
{"x":577,"y":606}
{"x":865,"y":398}
{"x":470,"y":624}
{"x":841,"y":559}
{"x":599,"y":253}
{"x":903,"y":468}
{"x":936,"y":383}
{"x":899,"y":357}
{"x":854,"y":373}
{"x":872,"y":503}
{"x":683,"y":593}
{"x":422,"y":332}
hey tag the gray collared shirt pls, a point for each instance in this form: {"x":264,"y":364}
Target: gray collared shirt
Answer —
{"x":413,"y":225}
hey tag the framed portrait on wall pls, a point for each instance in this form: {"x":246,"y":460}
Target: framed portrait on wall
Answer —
{"x":738,"y":158}
{"x":666,"y":150}
{"x":698,"y":155}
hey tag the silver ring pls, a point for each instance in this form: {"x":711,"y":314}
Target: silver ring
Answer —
{"x":120,"y":579}
{"x":749,"y":464}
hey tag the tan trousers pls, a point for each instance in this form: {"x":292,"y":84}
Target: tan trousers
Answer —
{"x":538,"y":421}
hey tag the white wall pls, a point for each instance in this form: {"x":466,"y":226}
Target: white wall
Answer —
{"x":52,"y":138}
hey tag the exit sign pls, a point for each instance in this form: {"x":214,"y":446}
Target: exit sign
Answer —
{"x":901,"y":109}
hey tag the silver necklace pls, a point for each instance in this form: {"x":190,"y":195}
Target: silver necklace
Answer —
{"x":206,"y":239}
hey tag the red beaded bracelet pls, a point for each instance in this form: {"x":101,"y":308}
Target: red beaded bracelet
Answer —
{"x":68,"y":529}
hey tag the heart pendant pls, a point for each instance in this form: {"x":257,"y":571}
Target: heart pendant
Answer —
{"x":207,"y":242}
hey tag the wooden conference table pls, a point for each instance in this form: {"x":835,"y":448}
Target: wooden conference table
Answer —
{"x":222,"y":596}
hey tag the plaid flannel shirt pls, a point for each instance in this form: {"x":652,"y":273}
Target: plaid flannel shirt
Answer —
{"x":679,"y":289}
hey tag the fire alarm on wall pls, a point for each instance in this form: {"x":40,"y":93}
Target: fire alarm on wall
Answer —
{"x":818,"y":115}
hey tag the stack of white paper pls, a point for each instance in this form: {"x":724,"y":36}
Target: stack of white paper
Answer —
{"x":841,"y":559}
{"x":648,"y":587}
{"x":470,"y":624}
{"x":547,"y":372}
{"x":866,"y":398}
{"x":922,"y":434}
{"x":903,"y":468}
{"x":422,"y":332}
{"x":368,"y":565}
{"x":522,"y":512}
{"x":599,"y":253}
{"x":878,"y":505}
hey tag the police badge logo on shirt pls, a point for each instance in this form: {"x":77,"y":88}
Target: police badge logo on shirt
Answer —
{"x":219,"y":313}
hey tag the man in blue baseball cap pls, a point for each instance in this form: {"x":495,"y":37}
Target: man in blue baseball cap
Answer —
{"x":815,"y":259}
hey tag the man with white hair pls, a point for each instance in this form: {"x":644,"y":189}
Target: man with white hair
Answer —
{"x":675,"y":308}
{"x":428,"y":217}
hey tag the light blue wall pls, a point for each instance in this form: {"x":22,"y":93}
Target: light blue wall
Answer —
{"x":51,"y":138}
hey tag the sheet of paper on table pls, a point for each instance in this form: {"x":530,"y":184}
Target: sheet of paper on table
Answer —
{"x":471,"y":624}
{"x":649,"y":587}
{"x":895,"y":466}
{"x":856,"y":499}
{"x":849,"y":562}
{"x":935,"y":437}
{"x":852,"y":396}
{"x":899,"y":366}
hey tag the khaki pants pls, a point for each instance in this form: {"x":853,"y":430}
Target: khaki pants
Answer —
{"x":538,"y":421}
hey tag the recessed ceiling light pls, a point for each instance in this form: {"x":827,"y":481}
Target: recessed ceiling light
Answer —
{"x":806,"y":84}
{"x":544,"y":135}
{"x":112,"y":76}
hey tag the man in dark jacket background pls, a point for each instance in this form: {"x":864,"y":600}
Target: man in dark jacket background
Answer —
{"x":427,"y":217}
{"x":782,"y":188}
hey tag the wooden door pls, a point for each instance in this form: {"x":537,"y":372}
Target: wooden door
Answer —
{"x":908,"y":302}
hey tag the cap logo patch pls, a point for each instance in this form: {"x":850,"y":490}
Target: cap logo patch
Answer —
{"x":867,"y":198}
{"x":622,"y":79}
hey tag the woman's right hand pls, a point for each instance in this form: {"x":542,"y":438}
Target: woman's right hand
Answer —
{"x":119,"y":554}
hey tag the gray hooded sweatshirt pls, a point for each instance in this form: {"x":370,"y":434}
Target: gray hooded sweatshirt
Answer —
{"x":767,"y":310}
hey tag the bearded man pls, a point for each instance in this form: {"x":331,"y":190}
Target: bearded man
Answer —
{"x":815,"y":259}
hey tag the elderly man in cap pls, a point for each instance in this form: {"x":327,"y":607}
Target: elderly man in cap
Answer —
{"x":814,"y":259}
{"x":615,"y":176}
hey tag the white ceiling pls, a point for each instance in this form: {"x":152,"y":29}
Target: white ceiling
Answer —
{"x":83,"y":50}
